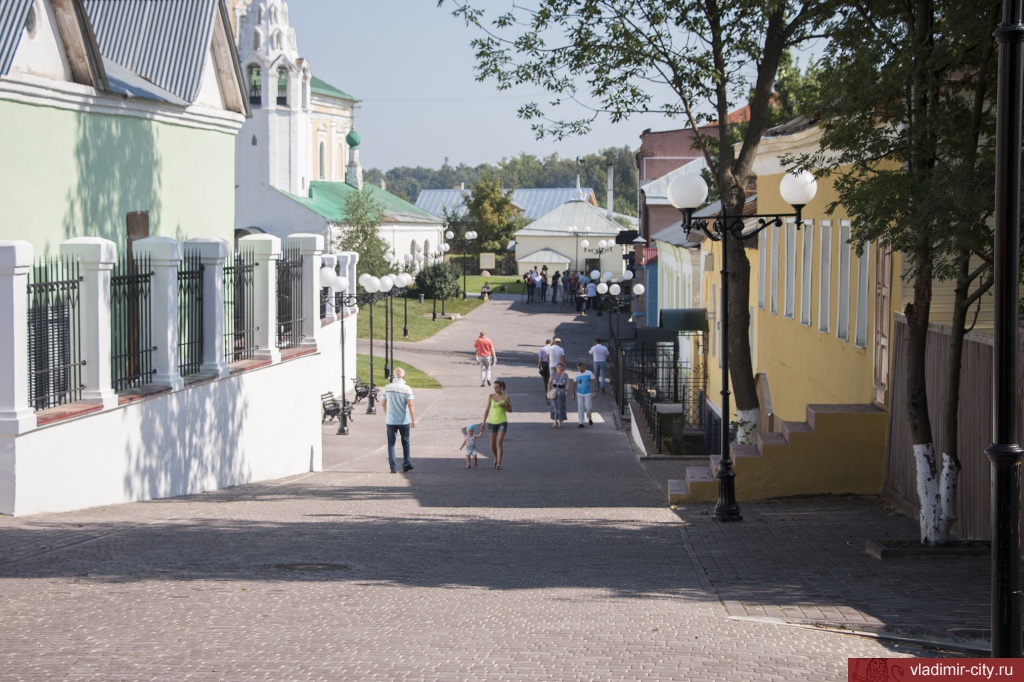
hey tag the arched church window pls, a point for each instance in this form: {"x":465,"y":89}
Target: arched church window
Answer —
{"x":323,"y":160}
{"x":255,"y":85}
{"x":30,"y":21}
{"x":282,"y":86}
{"x":277,"y":40}
{"x":257,"y":40}
{"x":273,"y":15}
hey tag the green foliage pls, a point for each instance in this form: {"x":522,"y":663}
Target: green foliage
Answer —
{"x":363,"y":216}
{"x":489,"y":212}
{"x":440,"y":280}
{"x":909,"y":139}
{"x":525,"y":172}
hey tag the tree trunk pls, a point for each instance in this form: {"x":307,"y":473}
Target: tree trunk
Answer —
{"x":917,"y":396}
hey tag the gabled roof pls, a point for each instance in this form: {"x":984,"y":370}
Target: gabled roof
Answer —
{"x":545,"y":256}
{"x":581,"y":214}
{"x":322,"y":87}
{"x":328,"y":199}
{"x":533,"y":202}
{"x":72,"y":24}
{"x":166,"y":42}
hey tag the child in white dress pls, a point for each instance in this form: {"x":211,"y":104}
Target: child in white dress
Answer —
{"x":469,"y":442}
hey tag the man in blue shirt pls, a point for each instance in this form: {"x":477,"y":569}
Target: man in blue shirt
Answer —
{"x":399,"y":417}
{"x":583,"y":392}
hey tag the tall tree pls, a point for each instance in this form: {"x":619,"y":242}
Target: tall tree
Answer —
{"x":490,"y":213}
{"x":690,"y":58}
{"x":908,"y":96}
{"x":360,"y":233}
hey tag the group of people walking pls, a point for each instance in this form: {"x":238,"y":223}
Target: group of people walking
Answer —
{"x":398,"y":399}
{"x":576,"y":288}
{"x":559,"y":386}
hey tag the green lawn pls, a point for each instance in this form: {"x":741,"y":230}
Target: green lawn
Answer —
{"x":419,"y":318}
{"x":475,"y":282}
{"x":413,"y":376}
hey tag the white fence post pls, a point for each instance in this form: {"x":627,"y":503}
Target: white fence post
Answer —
{"x":96,"y":257}
{"x":16,"y":415}
{"x":165,"y":259}
{"x":266,"y":251}
{"x":213,"y":252}
{"x":310,"y":247}
{"x":327,"y":260}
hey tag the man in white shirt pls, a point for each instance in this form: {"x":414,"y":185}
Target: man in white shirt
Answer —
{"x":600,"y":352}
{"x":591,"y":295}
{"x":556,"y":354}
{"x":542,"y":362}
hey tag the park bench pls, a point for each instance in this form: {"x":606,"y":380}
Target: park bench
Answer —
{"x":331,"y":406}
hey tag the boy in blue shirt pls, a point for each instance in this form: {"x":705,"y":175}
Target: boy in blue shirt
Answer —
{"x":583,"y":392}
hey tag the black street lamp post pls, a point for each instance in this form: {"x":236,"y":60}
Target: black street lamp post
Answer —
{"x":463,"y":243}
{"x":577,"y":233}
{"x":687,"y":193}
{"x":1005,"y":453}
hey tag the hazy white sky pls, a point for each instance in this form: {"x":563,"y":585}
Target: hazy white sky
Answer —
{"x":411,"y":64}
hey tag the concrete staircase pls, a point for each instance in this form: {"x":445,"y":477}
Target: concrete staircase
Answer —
{"x":840,"y":449}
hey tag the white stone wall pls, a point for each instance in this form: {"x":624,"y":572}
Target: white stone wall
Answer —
{"x":232,"y":426}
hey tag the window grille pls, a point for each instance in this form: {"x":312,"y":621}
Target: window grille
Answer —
{"x":289,"y":299}
{"x":131,"y":342}
{"x":239,"y":307}
{"x":255,"y":85}
{"x":282,"y":86}
{"x":54,"y":333}
{"x":190,"y":314}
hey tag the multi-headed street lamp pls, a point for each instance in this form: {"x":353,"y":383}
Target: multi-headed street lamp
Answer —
{"x":688,"y":193}
{"x":603,"y":246}
{"x":463,"y":244}
{"x":618,"y":297}
{"x":577,"y":233}
{"x":442,"y":249}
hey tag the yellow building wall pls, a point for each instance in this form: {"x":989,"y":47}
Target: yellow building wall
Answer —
{"x":803,"y":365}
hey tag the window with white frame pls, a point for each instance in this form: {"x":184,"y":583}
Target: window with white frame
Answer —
{"x":790,"y":305}
{"x":860,"y":337}
{"x":843,"y":314}
{"x":805,"y":274}
{"x":825,"y":272}
{"x":774,"y":301}
{"x":762,"y":271}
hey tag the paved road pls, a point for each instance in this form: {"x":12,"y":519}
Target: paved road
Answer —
{"x":564,"y":565}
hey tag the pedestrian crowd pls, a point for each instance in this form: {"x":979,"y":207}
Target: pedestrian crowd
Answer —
{"x":572,"y":288}
{"x":558,"y":386}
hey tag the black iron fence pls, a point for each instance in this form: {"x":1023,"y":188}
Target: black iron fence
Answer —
{"x":54,"y":333}
{"x":239,"y":325}
{"x":289,"y":299}
{"x":131,"y":342}
{"x":664,"y":373}
{"x":190,"y":314}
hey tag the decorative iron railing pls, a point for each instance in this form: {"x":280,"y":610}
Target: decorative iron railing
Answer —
{"x":131,"y":341}
{"x":54,"y":333}
{"x":239,"y":325}
{"x":190,"y":314}
{"x":289,"y":299}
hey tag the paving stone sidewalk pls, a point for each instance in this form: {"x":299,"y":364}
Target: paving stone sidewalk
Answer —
{"x":565,"y":565}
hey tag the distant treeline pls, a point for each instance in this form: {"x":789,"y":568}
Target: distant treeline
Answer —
{"x":525,"y":172}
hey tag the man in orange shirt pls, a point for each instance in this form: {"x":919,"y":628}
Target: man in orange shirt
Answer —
{"x":486,"y":356}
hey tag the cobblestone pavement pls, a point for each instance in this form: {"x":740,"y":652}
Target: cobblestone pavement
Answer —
{"x":564,"y":565}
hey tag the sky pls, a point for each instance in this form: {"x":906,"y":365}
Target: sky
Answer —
{"x":411,"y":65}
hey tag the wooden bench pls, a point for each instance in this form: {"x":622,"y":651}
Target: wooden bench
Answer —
{"x":331,"y":406}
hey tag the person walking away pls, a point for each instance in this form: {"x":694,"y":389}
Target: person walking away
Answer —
{"x":499,"y":405}
{"x":486,"y":356}
{"x":581,"y":300}
{"x":542,"y":362}
{"x":556,"y":353}
{"x":556,"y":284}
{"x":600,"y":352}
{"x":572,"y":282}
{"x":583,"y":392}
{"x":470,"y":434}
{"x":544,"y":286}
{"x":558,"y":385}
{"x":400,"y":417}
{"x":591,"y":295}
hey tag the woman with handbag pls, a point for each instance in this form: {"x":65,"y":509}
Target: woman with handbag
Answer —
{"x":557,"y":386}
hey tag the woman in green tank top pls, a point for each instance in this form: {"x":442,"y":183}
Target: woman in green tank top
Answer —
{"x":496,"y":418}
